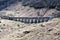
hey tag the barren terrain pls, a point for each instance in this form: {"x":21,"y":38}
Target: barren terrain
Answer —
{"x":14,"y":30}
{"x":11,"y":30}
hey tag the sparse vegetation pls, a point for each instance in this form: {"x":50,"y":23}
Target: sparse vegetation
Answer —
{"x":0,"y":21}
{"x":18,"y":25}
{"x":26,"y":32}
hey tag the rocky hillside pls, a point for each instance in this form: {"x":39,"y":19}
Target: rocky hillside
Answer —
{"x":27,"y":8}
{"x":33,"y":3}
{"x":40,"y":3}
{"x":6,"y":3}
{"x":18,"y":10}
{"x":12,"y":30}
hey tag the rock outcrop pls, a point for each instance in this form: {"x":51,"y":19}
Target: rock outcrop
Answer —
{"x":41,"y":3}
{"x":6,"y":3}
{"x":37,"y":4}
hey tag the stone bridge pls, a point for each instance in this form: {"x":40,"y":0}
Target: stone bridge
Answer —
{"x":28,"y":19}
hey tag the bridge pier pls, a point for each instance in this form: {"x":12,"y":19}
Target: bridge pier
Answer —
{"x":45,"y":20}
{"x":28,"y":21}
{"x":25,"y":20}
{"x":38,"y":20}
{"x":33,"y":20}
{"x":22,"y":20}
{"x":41,"y":20}
{"x":17,"y":19}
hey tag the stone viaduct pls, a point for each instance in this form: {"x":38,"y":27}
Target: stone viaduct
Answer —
{"x":28,"y":19}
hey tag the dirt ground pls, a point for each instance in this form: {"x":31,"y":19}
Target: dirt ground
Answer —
{"x":11,"y":30}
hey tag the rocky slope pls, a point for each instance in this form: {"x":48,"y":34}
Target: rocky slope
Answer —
{"x":33,"y":3}
{"x":18,"y":10}
{"x":11,"y":30}
{"x":40,"y":3}
{"x":6,"y":3}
